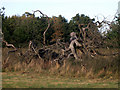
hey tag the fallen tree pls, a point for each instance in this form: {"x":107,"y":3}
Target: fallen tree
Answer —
{"x":86,"y":42}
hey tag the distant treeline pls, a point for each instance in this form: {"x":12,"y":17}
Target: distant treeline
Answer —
{"x":19,"y":30}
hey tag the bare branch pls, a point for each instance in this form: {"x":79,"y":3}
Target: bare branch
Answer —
{"x":45,"y":33}
{"x":31,"y":47}
{"x":44,"y":15}
{"x":10,"y":45}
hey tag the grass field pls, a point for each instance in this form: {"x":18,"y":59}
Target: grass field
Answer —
{"x":41,"y":80}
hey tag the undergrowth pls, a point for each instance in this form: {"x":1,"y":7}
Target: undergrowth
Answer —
{"x":88,"y":67}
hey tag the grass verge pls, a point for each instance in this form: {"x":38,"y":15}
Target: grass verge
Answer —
{"x":42,"y":80}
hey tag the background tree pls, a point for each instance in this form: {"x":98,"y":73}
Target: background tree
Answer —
{"x":112,"y":36}
{"x":59,"y":26}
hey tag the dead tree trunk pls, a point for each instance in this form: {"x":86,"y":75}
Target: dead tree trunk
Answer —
{"x":71,"y":47}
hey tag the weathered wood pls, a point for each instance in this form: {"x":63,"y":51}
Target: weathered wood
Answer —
{"x":31,"y":47}
{"x":10,"y":45}
{"x":71,"y":47}
{"x":44,"y":15}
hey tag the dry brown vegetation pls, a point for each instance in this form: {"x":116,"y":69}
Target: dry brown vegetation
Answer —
{"x":89,"y":67}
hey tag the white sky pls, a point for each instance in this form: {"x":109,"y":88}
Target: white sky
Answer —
{"x":66,"y":8}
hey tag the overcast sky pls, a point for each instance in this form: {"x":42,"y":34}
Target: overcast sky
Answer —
{"x":66,"y":8}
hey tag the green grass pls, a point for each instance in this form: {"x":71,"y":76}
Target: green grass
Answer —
{"x":39,"y":80}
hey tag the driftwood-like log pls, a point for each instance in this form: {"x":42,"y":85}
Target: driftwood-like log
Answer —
{"x":71,"y":47}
